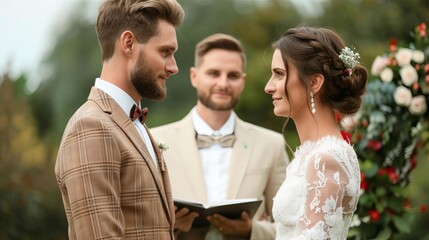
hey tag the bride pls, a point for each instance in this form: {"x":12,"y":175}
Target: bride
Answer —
{"x":314,"y":76}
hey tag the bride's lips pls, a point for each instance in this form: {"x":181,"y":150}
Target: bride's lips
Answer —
{"x":275,"y":99}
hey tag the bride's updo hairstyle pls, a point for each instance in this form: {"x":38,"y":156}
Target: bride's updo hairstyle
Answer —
{"x":317,"y":51}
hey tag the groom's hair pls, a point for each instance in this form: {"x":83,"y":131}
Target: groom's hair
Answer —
{"x":141,"y":17}
{"x":218,"y":41}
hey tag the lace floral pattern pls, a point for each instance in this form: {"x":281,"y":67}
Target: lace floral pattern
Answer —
{"x":321,"y":191}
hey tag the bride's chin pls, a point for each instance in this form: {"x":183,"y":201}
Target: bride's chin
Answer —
{"x":279,"y":114}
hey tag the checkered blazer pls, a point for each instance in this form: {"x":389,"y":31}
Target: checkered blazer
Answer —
{"x":110,"y":187}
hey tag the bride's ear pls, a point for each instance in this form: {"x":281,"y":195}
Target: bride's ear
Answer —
{"x":317,"y":81}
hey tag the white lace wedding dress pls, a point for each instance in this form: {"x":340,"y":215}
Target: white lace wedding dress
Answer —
{"x":320,"y":193}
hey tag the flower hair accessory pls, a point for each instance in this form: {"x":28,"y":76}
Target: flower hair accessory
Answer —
{"x":349,"y":58}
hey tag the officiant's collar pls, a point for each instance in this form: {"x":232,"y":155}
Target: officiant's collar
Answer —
{"x":201,"y":127}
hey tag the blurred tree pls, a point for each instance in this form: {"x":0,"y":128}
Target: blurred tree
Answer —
{"x":74,"y":62}
{"x":26,"y":192}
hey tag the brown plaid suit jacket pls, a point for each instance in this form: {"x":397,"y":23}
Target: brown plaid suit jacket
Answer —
{"x":110,"y":187}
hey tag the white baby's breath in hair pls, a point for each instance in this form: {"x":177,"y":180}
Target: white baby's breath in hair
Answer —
{"x":162,"y":146}
{"x":349,"y":57}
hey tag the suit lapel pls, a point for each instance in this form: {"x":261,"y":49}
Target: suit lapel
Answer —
{"x":108,"y":105}
{"x":187,"y":150}
{"x":240,"y":158}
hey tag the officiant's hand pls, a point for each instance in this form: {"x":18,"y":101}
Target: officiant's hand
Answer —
{"x":184,"y":219}
{"x":240,"y":228}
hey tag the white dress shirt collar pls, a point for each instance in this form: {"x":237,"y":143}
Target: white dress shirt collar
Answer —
{"x":120,"y":96}
{"x":201,"y":127}
{"x":126,"y":103}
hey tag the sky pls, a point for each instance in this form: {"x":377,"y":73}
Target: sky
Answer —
{"x":26,"y":27}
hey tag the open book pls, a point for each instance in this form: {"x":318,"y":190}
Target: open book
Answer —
{"x":228,"y":208}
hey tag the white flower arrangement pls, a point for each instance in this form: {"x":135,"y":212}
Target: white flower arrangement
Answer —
{"x":418,"y":56}
{"x":402,"y":96}
{"x":378,"y":65}
{"x":404,"y":56}
{"x":392,"y":128}
{"x":408,"y":75}
{"x":418,"y":105}
{"x":386,"y":75}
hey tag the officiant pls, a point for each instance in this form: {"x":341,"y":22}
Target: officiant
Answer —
{"x":213,"y":155}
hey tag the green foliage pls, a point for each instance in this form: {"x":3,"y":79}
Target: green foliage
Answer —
{"x":29,"y":199}
{"x":389,"y":137}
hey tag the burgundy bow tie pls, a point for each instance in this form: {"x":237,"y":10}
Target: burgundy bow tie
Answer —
{"x":137,"y":113}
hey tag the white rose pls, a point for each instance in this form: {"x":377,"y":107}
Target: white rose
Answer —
{"x":402,"y":96}
{"x":408,"y":75}
{"x":418,"y":56}
{"x":386,"y":74}
{"x":378,"y":64}
{"x":403,"y":56}
{"x":418,"y":105}
{"x":349,"y":122}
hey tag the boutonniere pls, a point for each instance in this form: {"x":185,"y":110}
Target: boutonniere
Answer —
{"x":162,"y":146}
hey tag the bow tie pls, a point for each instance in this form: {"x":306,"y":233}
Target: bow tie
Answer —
{"x":205,"y":141}
{"x":137,"y":113}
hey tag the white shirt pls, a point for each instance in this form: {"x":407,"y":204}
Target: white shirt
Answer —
{"x":215,"y":159}
{"x":126,"y":103}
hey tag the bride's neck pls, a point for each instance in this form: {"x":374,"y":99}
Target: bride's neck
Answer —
{"x":312,"y":127}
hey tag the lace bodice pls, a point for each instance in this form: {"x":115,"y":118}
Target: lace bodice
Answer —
{"x":320,"y":193}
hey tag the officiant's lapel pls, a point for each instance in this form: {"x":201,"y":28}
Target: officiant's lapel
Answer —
{"x":241,"y":153}
{"x":187,"y":150}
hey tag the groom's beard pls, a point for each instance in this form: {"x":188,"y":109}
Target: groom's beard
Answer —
{"x":145,"y":80}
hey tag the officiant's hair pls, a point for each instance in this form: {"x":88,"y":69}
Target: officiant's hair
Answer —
{"x":138,"y":16}
{"x":218,"y":41}
{"x":316,"y":51}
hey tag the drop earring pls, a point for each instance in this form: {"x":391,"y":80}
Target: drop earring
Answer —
{"x":313,"y":108}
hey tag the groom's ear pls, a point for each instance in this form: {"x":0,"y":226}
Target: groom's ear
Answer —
{"x":126,"y":44}
{"x":317,"y":81}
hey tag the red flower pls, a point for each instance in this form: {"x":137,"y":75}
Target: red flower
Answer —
{"x":346,"y":136}
{"x":391,"y":172}
{"x":417,"y":67}
{"x":426,"y":68}
{"x":416,"y":86}
{"x":363,"y":182}
{"x":406,"y":203}
{"x":359,"y":137}
{"x":421,"y":28}
{"x":423,"y":208}
{"x":374,"y":215}
{"x":393,"y":44}
{"x":374,"y":145}
{"x":338,"y":116}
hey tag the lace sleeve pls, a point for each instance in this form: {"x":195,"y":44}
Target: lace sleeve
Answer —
{"x":326,"y":182}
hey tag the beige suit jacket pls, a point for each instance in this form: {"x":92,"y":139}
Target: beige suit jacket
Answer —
{"x":111,"y":188}
{"x":257,"y":170}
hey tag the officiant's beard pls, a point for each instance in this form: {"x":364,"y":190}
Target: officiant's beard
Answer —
{"x":145,"y":80}
{"x":205,"y":99}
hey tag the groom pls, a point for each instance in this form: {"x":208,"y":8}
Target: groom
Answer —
{"x":113,"y":181}
{"x":252,"y":165}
